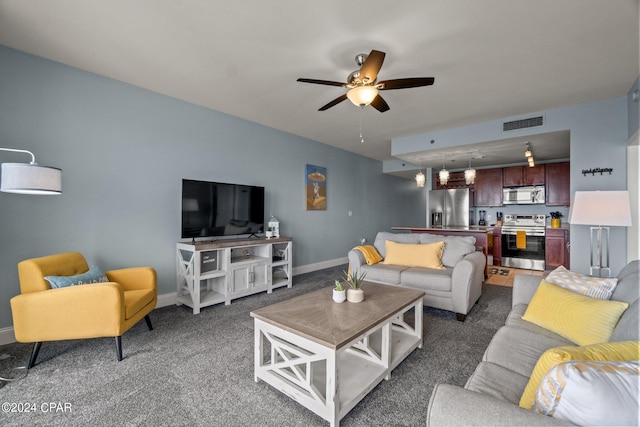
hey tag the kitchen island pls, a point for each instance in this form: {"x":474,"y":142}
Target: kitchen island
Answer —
{"x":479,"y":232}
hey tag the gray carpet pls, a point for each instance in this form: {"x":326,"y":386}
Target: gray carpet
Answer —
{"x":197,"y":370}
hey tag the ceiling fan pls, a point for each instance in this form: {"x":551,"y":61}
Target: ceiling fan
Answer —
{"x":363,"y":86}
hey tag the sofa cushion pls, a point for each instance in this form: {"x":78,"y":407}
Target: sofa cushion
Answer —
{"x":455,"y":247}
{"x":579,"y":318}
{"x":383,"y":236}
{"x":594,"y":287}
{"x":414,"y":255}
{"x":610,"y":351}
{"x":628,"y":327}
{"x":427,"y":278}
{"x":591,"y":393}
{"x":628,"y":289}
{"x":389,"y":274}
{"x":497,"y":381}
{"x":519,"y":350}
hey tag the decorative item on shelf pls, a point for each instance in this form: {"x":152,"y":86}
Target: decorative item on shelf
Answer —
{"x":30,"y":178}
{"x":339,"y":292}
{"x":355,"y":292}
{"x":443,"y":175}
{"x":273,"y":226}
{"x":555,"y":219}
{"x":604,"y":208}
{"x":470,"y":174}
{"x":594,"y":171}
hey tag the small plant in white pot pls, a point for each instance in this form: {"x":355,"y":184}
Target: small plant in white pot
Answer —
{"x":339,"y":293}
{"x":355,"y":292}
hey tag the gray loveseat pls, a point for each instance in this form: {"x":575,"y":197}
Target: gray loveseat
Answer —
{"x":455,"y":288}
{"x":492,"y":394}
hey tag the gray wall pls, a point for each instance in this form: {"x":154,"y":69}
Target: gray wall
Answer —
{"x":124,"y":150}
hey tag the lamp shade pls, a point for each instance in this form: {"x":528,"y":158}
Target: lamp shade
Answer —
{"x":23,"y":178}
{"x":608,"y":208}
{"x":362,"y":95}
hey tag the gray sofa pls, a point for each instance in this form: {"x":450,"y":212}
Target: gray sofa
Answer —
{"x":491,"y":395}
{"x":455,"y":288}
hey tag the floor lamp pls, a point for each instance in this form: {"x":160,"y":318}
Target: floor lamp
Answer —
{"x":600,"y":210}
{"x":28,"y":178}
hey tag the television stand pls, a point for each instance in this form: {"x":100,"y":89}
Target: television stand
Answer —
{"x":220,"y":271}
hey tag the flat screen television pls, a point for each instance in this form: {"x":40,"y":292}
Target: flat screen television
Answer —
{"x":211,"y":209}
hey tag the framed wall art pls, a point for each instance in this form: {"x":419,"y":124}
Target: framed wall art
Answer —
{"x":316,"y":188}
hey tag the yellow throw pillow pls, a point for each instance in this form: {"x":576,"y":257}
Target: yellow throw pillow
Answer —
{"x":578,"y":318}
{"x":414,"y":255}
{"x":613,"y":351}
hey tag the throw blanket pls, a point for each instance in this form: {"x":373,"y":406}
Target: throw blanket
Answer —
{"x":371,"y":255}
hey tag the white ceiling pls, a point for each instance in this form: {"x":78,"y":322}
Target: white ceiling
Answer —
{"x":491,"y":59}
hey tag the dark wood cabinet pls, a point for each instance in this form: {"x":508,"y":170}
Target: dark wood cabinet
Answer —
{"x":456,"y":180}
{"x":558,"y":184}
{"x":488,"y":187}
{"x":497,"y":246}
{"x":556,"y":248}
{"x":516,"y":176}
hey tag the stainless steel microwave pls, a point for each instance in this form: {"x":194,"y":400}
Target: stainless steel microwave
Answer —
{"x":533,"y":195}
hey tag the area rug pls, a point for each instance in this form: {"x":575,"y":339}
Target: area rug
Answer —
{"x":197,"y":370}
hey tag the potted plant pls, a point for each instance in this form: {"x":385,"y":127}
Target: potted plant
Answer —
{"x":555,"y":219}
{"x":355,"y":292}
{"x":339,"y":293}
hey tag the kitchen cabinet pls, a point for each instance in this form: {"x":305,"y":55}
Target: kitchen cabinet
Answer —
{"x":558,"y":184}
{"x":556,"y":248}
{"x":517,"y":176}
{"x":456,"y":180}
{"x":488,"y":187}
{"x":497,"y":246}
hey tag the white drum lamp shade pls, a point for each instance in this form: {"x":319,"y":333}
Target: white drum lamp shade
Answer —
{"x":24,"y":178}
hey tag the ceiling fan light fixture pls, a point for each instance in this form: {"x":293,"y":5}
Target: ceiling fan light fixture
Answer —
{"x":362,"y":95}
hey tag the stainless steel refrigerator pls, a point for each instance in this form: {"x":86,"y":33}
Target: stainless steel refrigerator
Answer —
{"x":450,"y":208}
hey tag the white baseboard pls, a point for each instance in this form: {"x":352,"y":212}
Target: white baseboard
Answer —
{"x":6,"y":336}
{"x":164,"y":300}
{"x":319,"y":265}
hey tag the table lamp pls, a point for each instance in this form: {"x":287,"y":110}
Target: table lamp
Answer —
{"x":601,"y":210}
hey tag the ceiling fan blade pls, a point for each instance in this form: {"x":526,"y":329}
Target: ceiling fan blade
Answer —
{"x":371,"y":66}
{"x":380,"y":104}
{"x":322,"y":82}
{"x":405,"y":83}
{"x":336,"y":101}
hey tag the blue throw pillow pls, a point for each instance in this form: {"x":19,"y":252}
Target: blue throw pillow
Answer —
{"x":94,"y":275}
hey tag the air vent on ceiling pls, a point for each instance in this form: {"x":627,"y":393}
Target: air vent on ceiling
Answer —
{"x":522,"y":124}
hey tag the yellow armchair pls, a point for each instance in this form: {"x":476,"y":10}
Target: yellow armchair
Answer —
{"x":108,"y":309}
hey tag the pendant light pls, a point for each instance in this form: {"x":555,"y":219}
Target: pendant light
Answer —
{"x":470,"y":174}
{"x":420,"y":179}
{"x":443,"y":175}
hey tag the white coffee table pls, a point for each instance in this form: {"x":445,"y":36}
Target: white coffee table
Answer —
{"x":328,"y":356}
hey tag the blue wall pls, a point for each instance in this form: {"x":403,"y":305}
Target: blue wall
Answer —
{"x":599,"y":132}
{"x":124,"y":150}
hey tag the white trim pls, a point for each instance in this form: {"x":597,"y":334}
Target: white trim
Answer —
{"x":319,"y":265}
{"x":165,"y":300}
{"x":6,"y":336}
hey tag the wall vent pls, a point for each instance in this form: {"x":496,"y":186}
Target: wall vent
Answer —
{"x":522,"y":124}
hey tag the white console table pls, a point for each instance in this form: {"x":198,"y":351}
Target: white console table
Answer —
{"x":219,"y":271}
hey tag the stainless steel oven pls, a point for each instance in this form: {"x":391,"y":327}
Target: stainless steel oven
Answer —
{"x":523,"y":241}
